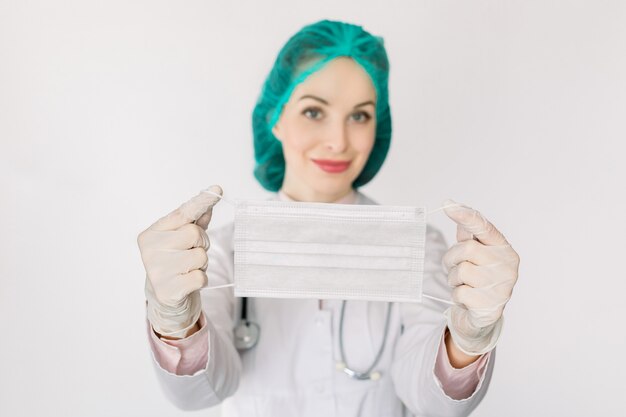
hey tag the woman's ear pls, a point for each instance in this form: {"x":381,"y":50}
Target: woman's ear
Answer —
{"x":276,"y":131}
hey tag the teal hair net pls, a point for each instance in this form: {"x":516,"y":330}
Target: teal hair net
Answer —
{"x":304,"y":53}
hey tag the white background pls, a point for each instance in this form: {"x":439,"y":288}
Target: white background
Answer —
{"x":113,"y":113}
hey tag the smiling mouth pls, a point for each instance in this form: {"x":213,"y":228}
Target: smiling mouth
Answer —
{"x":331,"y":166}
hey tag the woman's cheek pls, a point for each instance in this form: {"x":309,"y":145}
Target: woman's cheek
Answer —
{"x":365,"y":146}
{"x":303,"y":144}
{"x":293,"y":142}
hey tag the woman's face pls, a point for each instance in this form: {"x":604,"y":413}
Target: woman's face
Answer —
{"x":327,"y":130}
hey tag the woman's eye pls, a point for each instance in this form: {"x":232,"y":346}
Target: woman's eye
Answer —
{"x":312,"y":113}
{"x":361,"y":117}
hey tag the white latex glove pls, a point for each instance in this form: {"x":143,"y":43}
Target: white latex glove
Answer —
{"x":174,"y":255}
{"x":483,"y":268}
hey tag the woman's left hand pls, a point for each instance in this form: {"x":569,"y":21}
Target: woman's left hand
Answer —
{"x":483,"y":269}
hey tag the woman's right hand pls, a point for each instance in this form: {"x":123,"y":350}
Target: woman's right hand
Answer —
{"x":174,"y":255}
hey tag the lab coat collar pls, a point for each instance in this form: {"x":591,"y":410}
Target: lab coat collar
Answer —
{"x":355,"y":197}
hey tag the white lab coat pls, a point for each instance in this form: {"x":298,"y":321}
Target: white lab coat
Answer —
{"x":292,"y":370}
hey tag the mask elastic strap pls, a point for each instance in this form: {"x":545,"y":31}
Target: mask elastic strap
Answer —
{"x":220,"y":196}
{"x":218,"y":286}
{"x":428,"y":213}
{"x":452,"y":303}
{"x":441,"y":208}
{"x":233,"y":204}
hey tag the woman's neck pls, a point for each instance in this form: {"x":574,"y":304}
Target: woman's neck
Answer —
{"x":348,"y":197}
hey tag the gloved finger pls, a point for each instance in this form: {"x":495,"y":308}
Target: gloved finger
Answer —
{"x":460,"y":295}
{"x":475,"y":223}
{"x":485,"y":316}
{"x":189,"y":211}
{"x":204,"y":220}
{"x":174,"y":262}
{"x":189,"y":282}
{"x":498,"y":280}
{"x":469,"y":250}
{"x":464,"y":273}
{"x":185,"y":237}
{"x":474,"y":298}
{"x":196,"y":259}
{"x":462,"y":235}
{"x":191,"y":236}
{"x":483,"y":306}
{"x":479,"y":254}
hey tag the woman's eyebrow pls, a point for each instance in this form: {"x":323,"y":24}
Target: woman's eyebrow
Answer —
{"x":326,"y":102}
{"x":365,"y":103}
{"x":314,"y":98}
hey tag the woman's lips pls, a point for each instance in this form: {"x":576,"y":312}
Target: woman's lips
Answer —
{"x":332,"y":166}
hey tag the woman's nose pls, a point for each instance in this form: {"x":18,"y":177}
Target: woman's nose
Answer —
{"x":337,"y":139}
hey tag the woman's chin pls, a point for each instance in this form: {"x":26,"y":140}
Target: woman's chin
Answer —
{"x":332,"y":187}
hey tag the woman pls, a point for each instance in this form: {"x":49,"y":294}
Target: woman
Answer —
{"x":322,"y":128}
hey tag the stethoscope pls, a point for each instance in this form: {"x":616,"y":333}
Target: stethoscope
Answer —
{"x":342,"y":365}
{"x":247,"y":332}
{"x":247,"y":335}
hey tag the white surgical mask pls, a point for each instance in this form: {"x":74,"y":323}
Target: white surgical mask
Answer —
{"x":319,"y":250}
{"x":325,"y":250}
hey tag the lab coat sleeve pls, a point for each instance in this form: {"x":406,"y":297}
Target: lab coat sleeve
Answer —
{"x":219,"y":378}
{"x":413,"y":368}
{"x":181,"y":356}
{"x":458,"y":383}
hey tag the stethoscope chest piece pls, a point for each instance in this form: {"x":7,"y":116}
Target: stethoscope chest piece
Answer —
{"x":360,"y":376}
{"x":246,"y":335}
{"x":246,"y":332}
{"x":369,"y":374}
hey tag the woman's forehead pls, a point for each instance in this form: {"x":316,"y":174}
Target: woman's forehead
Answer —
{"x":340,"y":80}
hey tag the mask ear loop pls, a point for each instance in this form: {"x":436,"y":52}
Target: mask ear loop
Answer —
{"x":221,"y":197}
{"x":233,"y":204}
{"x":428,"y":213}
{"x":441,"y":300}
{"x":218,"y":286}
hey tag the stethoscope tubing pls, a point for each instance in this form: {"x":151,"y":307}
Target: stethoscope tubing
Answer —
{"x":252,"y":334}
